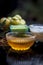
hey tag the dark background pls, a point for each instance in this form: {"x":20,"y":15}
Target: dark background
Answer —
{"x":6,"y":6}
{"x":30,"y":10}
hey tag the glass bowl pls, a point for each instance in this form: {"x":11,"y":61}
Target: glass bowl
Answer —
{"x":37,"y":29}
{"x":20,"y":41}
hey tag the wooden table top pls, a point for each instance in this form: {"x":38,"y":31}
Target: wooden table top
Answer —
{"x":33,"y":57}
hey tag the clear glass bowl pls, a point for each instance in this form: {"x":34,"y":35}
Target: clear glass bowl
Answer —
{"x":37,"y":29}
{"x":20,"y":41}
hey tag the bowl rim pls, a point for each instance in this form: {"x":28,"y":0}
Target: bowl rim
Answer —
{"x":33,"y":36}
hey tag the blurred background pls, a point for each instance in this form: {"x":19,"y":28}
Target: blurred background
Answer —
{"x":30,"y":10}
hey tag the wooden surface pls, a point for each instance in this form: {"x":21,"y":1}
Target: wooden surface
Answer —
{"x":34,"y":56}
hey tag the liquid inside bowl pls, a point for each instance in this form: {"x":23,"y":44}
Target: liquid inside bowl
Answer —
{"x":20,"y":42}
